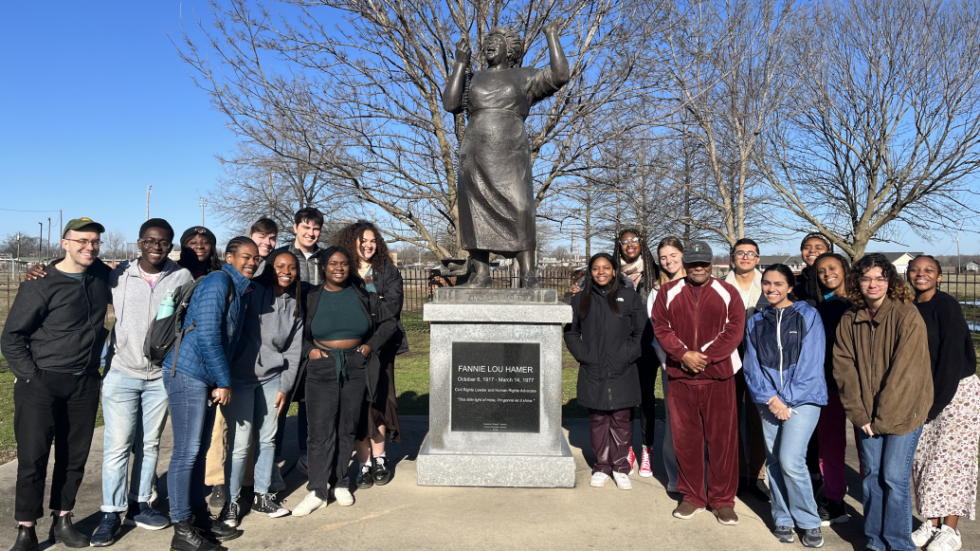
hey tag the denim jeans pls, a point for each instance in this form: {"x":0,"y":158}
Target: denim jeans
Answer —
{"x":887,"y":467}
{"x":252,"y":410}
{"x":192,"y":423}
{"x":128,"y":402}
{"x":789,"y":478}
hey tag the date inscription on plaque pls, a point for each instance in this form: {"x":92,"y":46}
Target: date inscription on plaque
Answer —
{"x":496,"y":387}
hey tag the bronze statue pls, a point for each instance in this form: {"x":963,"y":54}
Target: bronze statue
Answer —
{"x":495,"y":186}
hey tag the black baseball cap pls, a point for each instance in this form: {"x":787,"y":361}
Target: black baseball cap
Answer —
{"x":697,"y":252}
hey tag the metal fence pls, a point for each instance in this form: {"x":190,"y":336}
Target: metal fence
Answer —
{"x":420,"y":283}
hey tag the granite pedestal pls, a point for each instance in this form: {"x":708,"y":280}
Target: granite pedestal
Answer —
{"x":495,"y":390}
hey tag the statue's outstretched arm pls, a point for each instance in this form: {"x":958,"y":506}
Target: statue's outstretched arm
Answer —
{"x":452,"y":96}
{"x":559,"y":64}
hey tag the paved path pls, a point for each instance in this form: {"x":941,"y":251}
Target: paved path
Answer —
{"x":404,"y":516}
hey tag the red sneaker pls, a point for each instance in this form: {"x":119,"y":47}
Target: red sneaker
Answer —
{"x":632,"y":460}
{"x":645,"y":470}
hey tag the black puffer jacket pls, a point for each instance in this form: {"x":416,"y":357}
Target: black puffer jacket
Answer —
{"x":391,"y":291}
{"x":607,"y":348}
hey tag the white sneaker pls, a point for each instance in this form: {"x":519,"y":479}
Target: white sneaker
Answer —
{"x":599,"y":479}
{"x":343,"y":496}
{"x":924,"y":534}
{"x":623,"y":481}
{"x":302,"y":465}
{"x":309,"y":504}
{"x":946,"y":539}
{"x":277,"y":484}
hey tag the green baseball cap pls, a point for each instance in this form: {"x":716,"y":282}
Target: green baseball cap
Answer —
{"x":79,"y":223}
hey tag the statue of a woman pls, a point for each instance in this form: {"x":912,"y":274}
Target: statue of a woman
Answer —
{"x":495,"y":186}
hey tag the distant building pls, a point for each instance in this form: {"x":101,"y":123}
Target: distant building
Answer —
{"x":972,"y":266}
{"x":900,"y":260}
{"x":794,"y":262}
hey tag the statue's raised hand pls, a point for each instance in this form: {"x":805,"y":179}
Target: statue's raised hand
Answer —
{"x":553,"y":30}
{"x":463,"y":51}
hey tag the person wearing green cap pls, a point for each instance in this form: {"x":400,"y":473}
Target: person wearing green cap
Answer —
{"x":53,"y":342}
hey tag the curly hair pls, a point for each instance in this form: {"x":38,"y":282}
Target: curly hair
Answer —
{"x":350,"y":236}
{"x":515,"y":46}
{"x":897,"y":289}
{"x":651,"y":270}
{"x":352,"y":277}
{"x":813,"y":286}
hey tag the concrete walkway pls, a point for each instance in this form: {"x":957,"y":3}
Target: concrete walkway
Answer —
{"x":404,"y":516}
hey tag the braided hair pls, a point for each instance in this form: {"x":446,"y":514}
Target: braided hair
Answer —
{"x":268,"y":277}
{"x":651,"y":270}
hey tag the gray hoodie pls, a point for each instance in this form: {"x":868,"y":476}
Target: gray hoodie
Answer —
{"x":272,"y":338}
{"x":135,"y":304}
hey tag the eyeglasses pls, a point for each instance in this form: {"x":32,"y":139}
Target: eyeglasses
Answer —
{"x":153,"y":243}
{"x":868,"y":280}
{"x":625,"y":242}
{"x":85,"y":242}
{"x":746,"y":254}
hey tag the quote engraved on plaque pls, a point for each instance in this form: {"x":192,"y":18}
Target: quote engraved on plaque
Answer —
{"x":496,"y":387}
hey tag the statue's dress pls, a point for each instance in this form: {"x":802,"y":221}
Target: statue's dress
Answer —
{"x":496,"y":190}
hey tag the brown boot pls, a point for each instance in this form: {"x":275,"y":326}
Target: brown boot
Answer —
{"x":726,"y":516}
{"x":686,"y":510}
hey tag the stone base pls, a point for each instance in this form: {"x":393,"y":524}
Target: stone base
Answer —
{"x":500,"y":471}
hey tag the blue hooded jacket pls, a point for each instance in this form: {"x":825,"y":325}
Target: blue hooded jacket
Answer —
{"x":784,"y":356}
{"x":205,"y":351}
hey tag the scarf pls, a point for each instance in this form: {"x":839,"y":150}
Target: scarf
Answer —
{"x":634,"y":270}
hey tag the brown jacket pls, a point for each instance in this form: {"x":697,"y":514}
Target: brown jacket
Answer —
{"x":882,"y":368}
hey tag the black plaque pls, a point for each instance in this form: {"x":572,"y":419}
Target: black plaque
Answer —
{"x":496,"y":387}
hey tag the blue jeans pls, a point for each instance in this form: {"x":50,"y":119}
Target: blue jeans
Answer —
{"x":128,"y":403}
{"x":192,"y":424}
{"x":887,"y":463}
{"x":253,"y":403}
{"x":789,"y":478}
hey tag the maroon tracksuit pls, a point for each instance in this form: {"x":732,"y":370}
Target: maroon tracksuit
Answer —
{"x":709,"y":319}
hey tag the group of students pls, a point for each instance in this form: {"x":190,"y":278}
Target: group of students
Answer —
{"x":761,"y":372}
{"x":262,"y":329}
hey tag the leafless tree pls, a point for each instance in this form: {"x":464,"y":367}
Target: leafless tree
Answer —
{"x":885,"y":133}
{"x":727,"y":64}
{"x":259,"y":184}
{"x":360,"y":101}
{"x":114,"y":245}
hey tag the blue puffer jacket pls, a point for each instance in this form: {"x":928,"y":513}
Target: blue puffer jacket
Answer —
{"x":785,"y":354}
{"x":204,"y":351}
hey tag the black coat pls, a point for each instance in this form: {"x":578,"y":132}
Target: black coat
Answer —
{"x":390,"y":289}
{"x":607,"y":348}
{"x":383,"y":326}
{"x":57,"y":323}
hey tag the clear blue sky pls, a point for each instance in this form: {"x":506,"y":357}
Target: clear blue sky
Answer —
{"x":95,"y":105}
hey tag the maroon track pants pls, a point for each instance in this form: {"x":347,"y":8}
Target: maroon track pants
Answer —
{"x":611,"y":433}
{"x":704,"y":414}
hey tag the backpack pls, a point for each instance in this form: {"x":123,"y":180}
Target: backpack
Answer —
{"x":166,"y":330}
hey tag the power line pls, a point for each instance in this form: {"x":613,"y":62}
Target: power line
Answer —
{"x":22,"y":210}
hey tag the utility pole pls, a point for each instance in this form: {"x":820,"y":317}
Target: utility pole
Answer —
{"x":40,"y":240}
{"x":148,"y":202}
{"x":48,"y":244}
{"x":204,"y":203}
{"x":959,"y":263}
{"x":18,"y":245}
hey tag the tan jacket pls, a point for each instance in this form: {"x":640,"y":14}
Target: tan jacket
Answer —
{"x":882,"y":368}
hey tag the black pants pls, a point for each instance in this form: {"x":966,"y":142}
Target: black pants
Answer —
{"x":334,"y":409}
{"x":649,"y":369}
{"x":60,"y":407}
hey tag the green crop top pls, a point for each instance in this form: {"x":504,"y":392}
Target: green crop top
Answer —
{"x":339,"y":316}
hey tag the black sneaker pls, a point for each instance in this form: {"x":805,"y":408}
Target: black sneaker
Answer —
{"x":211,"y":527}
{"x":266,"y":504}
{"x":812,"y":538}
{"x":784,"y":534}
{"x":365,"y":478}
{"x":381,"y":472}
{"x":230,"y":515}
{"x":833,"y":512}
